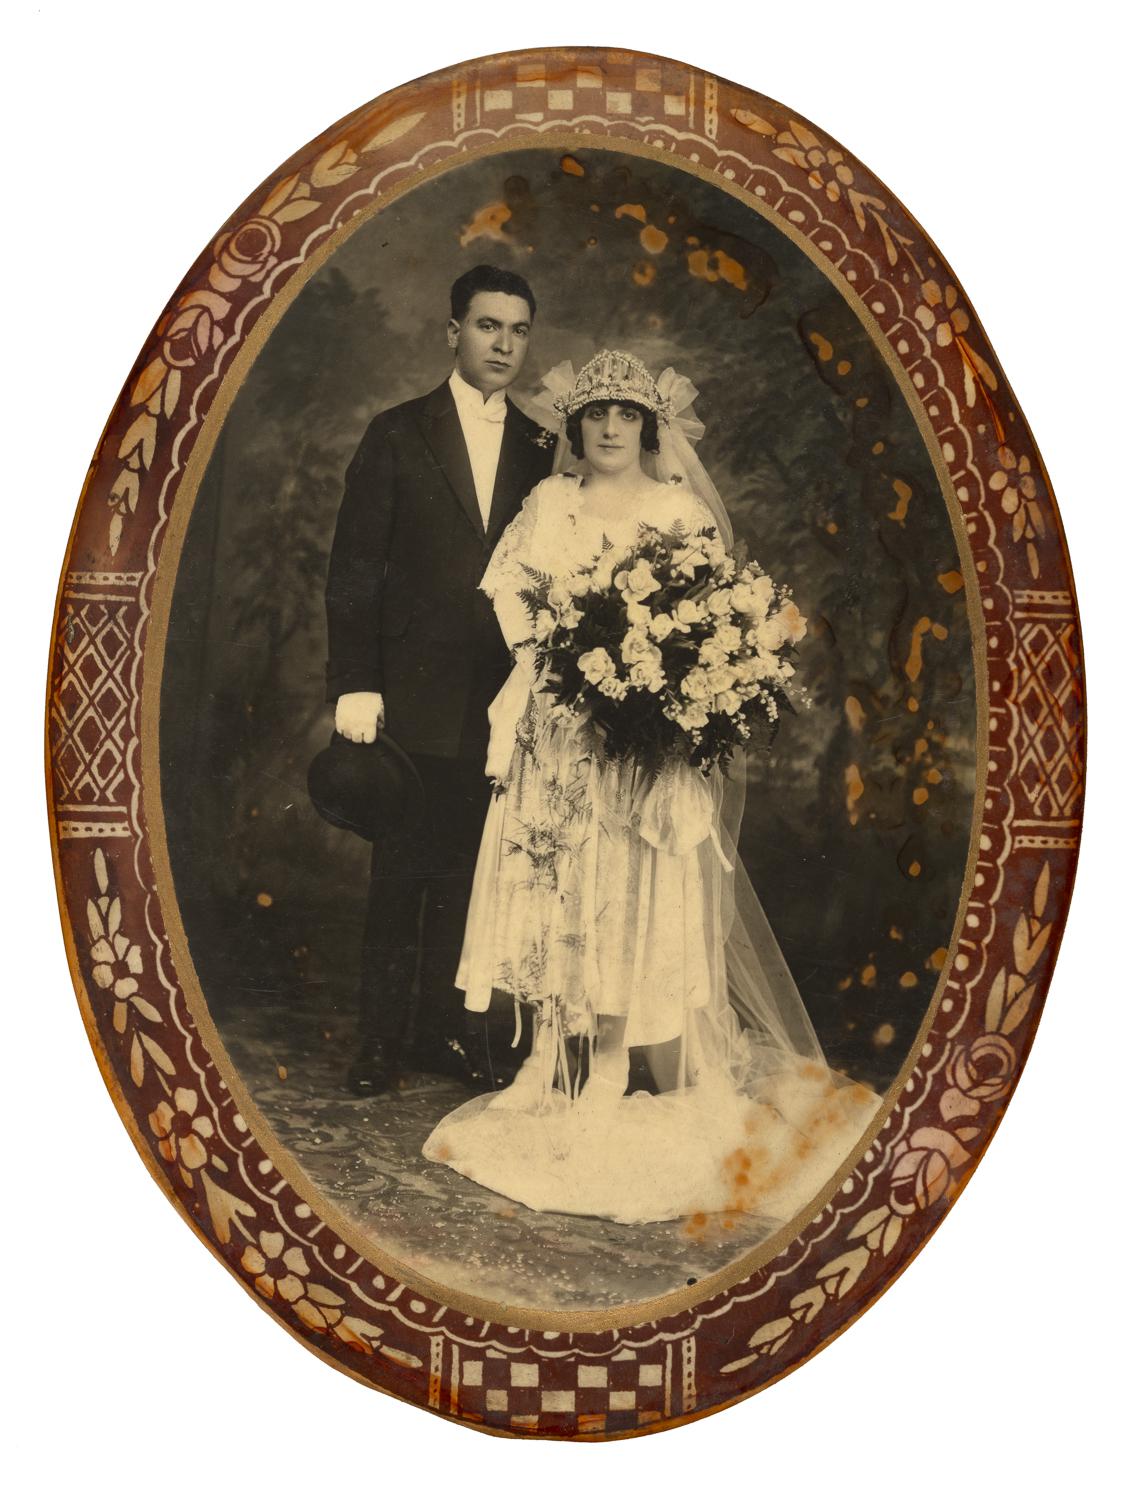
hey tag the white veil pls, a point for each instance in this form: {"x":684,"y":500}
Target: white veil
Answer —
{"x":759,"y":1025}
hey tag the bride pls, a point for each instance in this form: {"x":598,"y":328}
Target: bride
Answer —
{"x":611,"y":900}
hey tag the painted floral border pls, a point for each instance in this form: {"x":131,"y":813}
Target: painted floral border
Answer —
{"x":163,"y":1078}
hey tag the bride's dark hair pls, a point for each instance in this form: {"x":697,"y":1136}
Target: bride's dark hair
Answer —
{"x":650,"y":434}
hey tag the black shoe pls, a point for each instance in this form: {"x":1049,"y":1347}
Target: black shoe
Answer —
{"x":462,"y":1058}
{"x":374,"y":1069}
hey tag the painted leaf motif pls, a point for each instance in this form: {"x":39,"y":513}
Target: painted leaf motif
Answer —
{"x":150,"y":1012}
{"x":804,"y":136}
{"x":324,"y":1296}
{"x":278,"y":196}
{"x":141,"y":434}
{"x":224,"y":1209}
{"x":870,"y":1221}
{"x":148,"y":381}
{"x":791,"y":154}
{"x":771,"y":1336}
{"x":1017,"y":1010}
{"x":351,"y":1332}
{"x":159,"y":1055}
{"x":393,"y":131}
{"x":400,"y":1357}
{"x":170,"y":394}
{"x":859,"y":202}
{"x":137,"y":1061}
{"x":839,"y":1275}
{"x":892,"y":1232}
{"x":296,"y":209}
{"x":996,"y":997}
{"x":809,"y":1303}
{"x":986,"y":374}
{"x":752,"y":121}
{"x":1027,"y":949}
{"x":126,"y":486}
{"x":1041,"y":892}
{"x":334,"y":166}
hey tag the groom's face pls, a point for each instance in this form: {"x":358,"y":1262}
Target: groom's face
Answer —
{"x":490,"y":342}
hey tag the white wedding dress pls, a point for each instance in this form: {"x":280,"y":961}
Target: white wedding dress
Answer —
{"x":602,"y":893}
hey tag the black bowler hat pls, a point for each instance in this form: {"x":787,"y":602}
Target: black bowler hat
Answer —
{"x":367,"y":789}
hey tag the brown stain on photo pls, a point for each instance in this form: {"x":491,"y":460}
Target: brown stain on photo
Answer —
{"x":487,"y":224}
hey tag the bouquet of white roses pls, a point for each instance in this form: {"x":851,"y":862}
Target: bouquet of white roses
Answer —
{"x":673,"y":647}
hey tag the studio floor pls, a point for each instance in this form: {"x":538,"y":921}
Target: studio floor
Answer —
{"x":364,"y":1156}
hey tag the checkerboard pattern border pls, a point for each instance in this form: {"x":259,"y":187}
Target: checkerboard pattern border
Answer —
{"x":521,"y":1393}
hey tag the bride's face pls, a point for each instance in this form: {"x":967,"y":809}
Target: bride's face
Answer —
{"x":611,"y":437}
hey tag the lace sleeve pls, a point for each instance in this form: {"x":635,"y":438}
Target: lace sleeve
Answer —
{"x":505,"y":575}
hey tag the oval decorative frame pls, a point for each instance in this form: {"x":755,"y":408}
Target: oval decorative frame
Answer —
{"x":169,"y":1089}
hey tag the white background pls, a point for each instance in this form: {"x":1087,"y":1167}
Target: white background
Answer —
{"x":138,"y":1365}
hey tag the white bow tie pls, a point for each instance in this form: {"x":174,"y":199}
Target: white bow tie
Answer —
{"x":489,"y":411}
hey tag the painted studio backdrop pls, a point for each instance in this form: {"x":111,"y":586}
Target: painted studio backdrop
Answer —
{"x":857,"y":821}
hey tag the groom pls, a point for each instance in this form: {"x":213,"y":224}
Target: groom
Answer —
{"x":415,"y":648}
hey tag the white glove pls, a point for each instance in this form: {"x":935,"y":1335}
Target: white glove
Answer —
{"x":359,"y":716}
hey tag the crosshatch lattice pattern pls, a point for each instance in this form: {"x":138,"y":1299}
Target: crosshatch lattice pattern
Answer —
{"x":90,"y":704}
{"x":328,"y":1291}
{"x":1050,"y":716}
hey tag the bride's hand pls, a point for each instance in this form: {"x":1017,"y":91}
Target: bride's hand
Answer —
{"x":359,"y":716}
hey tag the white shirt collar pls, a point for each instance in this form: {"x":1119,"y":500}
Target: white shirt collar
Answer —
{"x":471,"y":403}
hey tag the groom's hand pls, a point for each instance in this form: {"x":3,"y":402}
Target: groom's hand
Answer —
{"x":359,"y":716}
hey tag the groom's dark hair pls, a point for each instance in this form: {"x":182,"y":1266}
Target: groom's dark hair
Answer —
{"x":488,"y":279}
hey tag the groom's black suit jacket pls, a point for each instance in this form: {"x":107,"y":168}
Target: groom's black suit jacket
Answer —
{"x":404,"y":614}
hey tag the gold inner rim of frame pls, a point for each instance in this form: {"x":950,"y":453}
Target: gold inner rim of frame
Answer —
{"x":628,"y":1314}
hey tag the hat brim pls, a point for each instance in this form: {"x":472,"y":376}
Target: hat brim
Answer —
{"x":366,"y":789}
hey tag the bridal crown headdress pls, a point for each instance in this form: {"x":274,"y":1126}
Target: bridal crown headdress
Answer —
{"x":613,"y":375}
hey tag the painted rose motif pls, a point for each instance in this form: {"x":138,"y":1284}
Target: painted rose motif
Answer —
{"x":192,"y":333}
{"x":924,"y":1172}
{"x":983,"y":1070}
{"x":249,"y":252}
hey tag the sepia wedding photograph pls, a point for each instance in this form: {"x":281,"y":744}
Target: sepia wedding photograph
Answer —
{"x":568,"y":729}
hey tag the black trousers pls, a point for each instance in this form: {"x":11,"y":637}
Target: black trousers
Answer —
{"x":420,"y":883}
